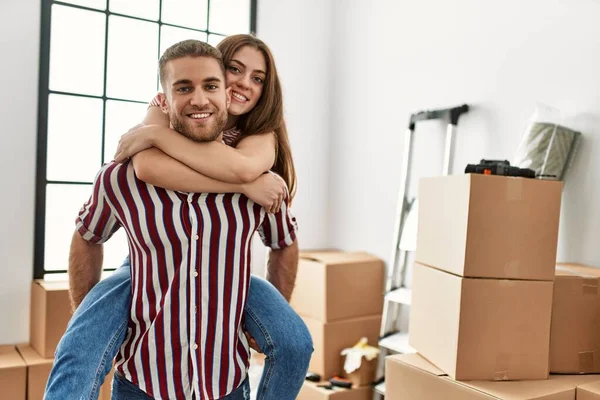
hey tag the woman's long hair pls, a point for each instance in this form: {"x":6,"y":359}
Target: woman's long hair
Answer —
{"x":267,"y":114}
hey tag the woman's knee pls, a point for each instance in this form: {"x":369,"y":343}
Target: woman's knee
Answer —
{"x":304,"y":342}
{"x":296,"y":342}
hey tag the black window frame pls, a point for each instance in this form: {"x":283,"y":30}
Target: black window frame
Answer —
{"x":44,"y":92}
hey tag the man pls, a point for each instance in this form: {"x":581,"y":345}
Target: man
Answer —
{"x":189,"y":253}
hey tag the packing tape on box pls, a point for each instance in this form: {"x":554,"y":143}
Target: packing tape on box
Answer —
{"x":506,"y":283}
{"x":586,"y":361}
{"x":574,"y":272}
{"x":590,"y":282}
{"x":511,"y":268}
{"x":502,"y":364}
{"x":590,"y":286}
{"x":514,"y":189}
{"x":566,"y":269}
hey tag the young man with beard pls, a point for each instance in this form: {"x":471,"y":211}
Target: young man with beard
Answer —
{"x":190,"y":253}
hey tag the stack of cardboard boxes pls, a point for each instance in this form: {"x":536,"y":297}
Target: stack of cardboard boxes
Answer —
{"x":483,"y":317}
{"x":339,"y":297}
{"x":24,"y":369}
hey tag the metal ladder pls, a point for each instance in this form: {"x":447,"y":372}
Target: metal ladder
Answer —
{"x":391,"y":339}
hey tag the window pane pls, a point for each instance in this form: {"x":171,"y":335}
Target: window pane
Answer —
{"x":170,"y":35}
{"x":97,"y":4}
{"x":132,"y":59}
{"x":77,"y":50}
{"x":63,"y":202}
{"x":74,"y":138}
{"x":56,"y":277}
{"x":214,"y":40}
{"x":229,"y":16}
{"x":147,"y":9}
{"x":188,"y":13}
{"x":120,"y":117}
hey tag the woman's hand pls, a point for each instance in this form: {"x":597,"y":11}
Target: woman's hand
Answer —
{"x":253,"y":345}
{"x":269,"y":190}
{"x":138,"y":138}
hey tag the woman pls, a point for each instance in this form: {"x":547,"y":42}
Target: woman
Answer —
{"x":257,"y":130}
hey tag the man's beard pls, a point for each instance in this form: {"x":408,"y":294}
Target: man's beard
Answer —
{"x":197,"y":133}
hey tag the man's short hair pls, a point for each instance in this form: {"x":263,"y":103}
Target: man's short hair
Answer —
{"x":188,"y":48}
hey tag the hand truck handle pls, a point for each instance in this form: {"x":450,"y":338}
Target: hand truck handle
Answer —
{"x":449,"y":114}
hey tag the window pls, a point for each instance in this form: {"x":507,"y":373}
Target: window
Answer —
{"x":98,"y":70}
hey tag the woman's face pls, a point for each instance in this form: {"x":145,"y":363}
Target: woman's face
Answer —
{"x":245,"y":75}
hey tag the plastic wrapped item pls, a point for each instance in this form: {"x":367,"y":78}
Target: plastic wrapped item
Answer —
{"x":355,"y":354}
{"x":549,"y":143}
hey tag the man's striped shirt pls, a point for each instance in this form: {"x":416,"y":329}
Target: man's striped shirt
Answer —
{"x":190,"y":269}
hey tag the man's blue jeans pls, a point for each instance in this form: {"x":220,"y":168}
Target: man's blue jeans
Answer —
{"x":96,"y":331}
{"x":122,"y":389}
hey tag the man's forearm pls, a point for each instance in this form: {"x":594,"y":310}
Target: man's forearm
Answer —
{"x":85,"y":267}
{"x":282,"y":269}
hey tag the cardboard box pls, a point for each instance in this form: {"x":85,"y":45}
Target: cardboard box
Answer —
{"x":410,"y":376}
{"x":310,"y":391}
{"x":363,"y":376}
{"x":489,"y":226}
{"x":575,"y":332}
{"x":333,"y":285}
{"x":481,"y":329}
{"x":329,"y":339}
{"x":590,"y":391}
{"x":38,"y":371}
{"x":12,"y":374}
{"x":50,"y":314}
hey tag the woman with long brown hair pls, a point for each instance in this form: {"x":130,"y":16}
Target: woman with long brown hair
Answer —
{"x":254,"y":142}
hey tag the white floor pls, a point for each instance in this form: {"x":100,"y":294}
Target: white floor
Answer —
{"x":255,"y":372}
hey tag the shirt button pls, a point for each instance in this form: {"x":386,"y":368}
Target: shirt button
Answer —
{"x":196,"y":237}
{"x":195,"y":346}
{"x":189,"y":199}
{"x":195,"y":274}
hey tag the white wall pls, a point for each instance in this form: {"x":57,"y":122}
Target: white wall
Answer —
{"x":397,"y":57}
{"x":19,"y":47}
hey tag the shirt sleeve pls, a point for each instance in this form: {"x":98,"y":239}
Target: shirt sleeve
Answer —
{"x":97,"y":221}
{"x":279,"y":230}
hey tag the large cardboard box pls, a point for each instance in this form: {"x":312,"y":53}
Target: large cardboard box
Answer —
{"x":12,"y":374}
{"x":481,"y":329}
{"x":410,"y":376}
{"x":310,"y":391}
{"x":363,"y":376}
{"x":589,"y":391}
{"x":575,"y":332}
{"x":50,"y":314}
{"x":334,"y":285}
{"x":489,"y":226}
{"x":38,"y":371}
{"x":329,"y":339}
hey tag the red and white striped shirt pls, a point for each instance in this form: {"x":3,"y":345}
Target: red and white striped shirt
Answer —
{"x":190,"y":271}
